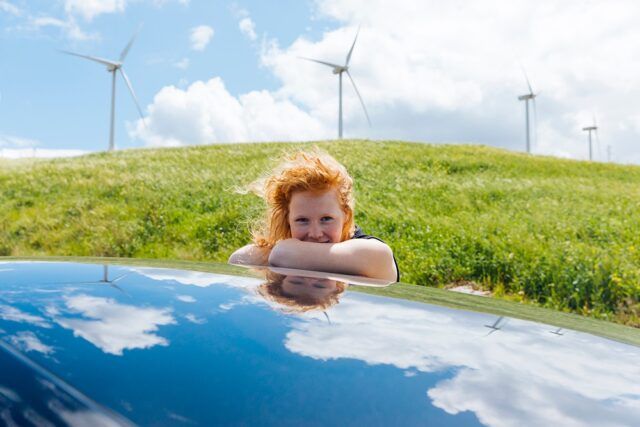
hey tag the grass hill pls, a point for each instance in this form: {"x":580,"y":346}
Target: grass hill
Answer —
{"x":563,"y":234}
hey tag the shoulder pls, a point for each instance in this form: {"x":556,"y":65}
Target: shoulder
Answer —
{"x":359,"y":234}
{"x":250,"y":255}
{"x":380,"y":249}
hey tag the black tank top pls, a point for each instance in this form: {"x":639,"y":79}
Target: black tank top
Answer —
{"x":359,"y":234}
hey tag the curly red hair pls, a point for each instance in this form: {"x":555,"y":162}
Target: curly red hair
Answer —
{"x":301,"y":171}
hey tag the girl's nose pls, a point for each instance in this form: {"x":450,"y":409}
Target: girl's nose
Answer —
{"x":315,"y":231}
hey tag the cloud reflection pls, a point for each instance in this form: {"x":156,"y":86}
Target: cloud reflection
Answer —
{"x":519,"y":375}
{"x":28,"y":341}
{"x":195,"y":278}
{"x":115,"y":327}
{"x":13,"y":314}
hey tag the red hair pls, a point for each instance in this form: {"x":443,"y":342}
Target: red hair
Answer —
{"x":272,"y":290}
{"x":301,"y":171}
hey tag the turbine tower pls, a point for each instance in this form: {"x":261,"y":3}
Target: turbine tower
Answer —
{"x":593,"y":128}
{"x":339,"y":70}
{"x":113,"y":67}
{"x":526,"y":98}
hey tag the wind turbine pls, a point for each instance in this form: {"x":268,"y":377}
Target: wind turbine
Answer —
{"x":339,"y":70}
{"x":496,"y":325}
{"x":589,"y":129}
{"x":104,"y":281}
{"x":526,"y":98}
{"x":113,"y":67}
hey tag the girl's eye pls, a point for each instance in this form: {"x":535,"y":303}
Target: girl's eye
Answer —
{"x":327,"y":218}
{"x":301,"y":220}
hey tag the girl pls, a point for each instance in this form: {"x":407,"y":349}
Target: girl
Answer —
{"x":309,"y":222}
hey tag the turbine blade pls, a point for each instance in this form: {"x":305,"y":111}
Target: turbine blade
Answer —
{"x":92,"y":58}
{"x":491,"y":331}
{"x":126,"y":80}
{"x":359,"y":97}
{"x":125,"y":51}
{"x":113,"y":285}
{"x":527,"y":79}
{"x":122,"y":276}
{"x":321,"y":62}
{"x":352,"y":46}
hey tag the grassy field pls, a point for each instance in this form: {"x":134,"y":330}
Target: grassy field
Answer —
{"x":559,"y":233}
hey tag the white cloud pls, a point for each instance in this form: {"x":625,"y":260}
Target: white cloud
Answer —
{"x":163,"y":2}
{"x":248,"y":28}
{"x":206,"y":113}
{"x":9,"y":8}
{"x":183,"y":64}
{"x":17,"y":142}
{"x":69,"y":26}
{"x":15,"y":147}
{"x":28,"y":341}
{"x":200,"y":37}
{"x":115,"y":327}
{"x":451,"y":71}
{"x":89,"y":9}
{"x":42,"y":153}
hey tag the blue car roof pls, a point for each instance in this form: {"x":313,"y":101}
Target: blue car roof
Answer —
{"x":156,"y":346}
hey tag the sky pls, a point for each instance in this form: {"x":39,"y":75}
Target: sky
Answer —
{"x":230,"y":71}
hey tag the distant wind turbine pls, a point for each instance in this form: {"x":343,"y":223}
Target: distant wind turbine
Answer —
{"x":339,"y":70}
{"x":593,"y":128}
{"x":526,"y":98}
{"x":113,"y":67}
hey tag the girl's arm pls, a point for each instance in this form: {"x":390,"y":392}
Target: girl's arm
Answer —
{"x":250,"y":255}
{"x":361,"y":257}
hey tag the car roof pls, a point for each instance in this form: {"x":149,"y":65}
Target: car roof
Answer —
{"x":151,"y":345}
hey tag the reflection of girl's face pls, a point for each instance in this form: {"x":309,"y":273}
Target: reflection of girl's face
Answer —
{"x":317,"y":289}
{"x":316,"y":217}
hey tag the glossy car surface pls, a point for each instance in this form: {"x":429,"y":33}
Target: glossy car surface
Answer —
{"x":87,"y":344}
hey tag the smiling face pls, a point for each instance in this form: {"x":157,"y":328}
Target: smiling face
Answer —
{"x":316,"y":216}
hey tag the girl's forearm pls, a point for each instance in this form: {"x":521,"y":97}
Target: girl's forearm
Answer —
{"x":355,"y":257}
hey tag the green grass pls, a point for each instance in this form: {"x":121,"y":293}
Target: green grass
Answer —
{"x":557,"y":233}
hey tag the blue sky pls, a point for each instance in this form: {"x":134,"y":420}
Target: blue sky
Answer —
{"x":427,"y":70}
{"x":63,"y":102}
